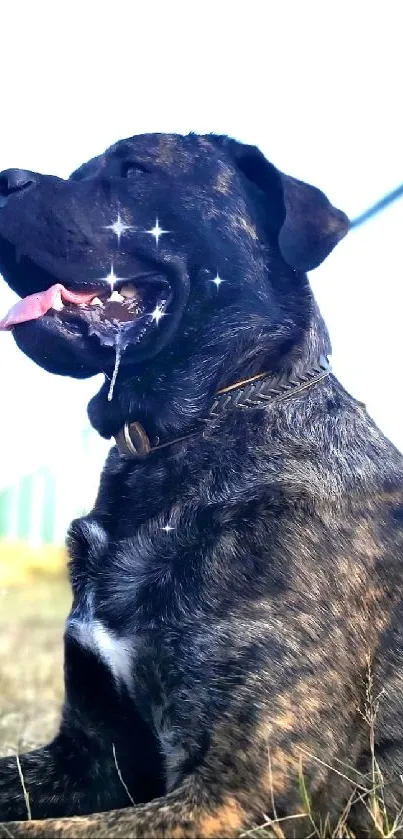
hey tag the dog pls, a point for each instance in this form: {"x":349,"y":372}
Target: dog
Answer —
{"x":237,"y":586}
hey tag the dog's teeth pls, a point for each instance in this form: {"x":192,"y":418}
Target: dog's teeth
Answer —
{"x":128,"y":291}
{"x":58,"y":304}
{"x":96,"y":302}
{"x":115,"y":296}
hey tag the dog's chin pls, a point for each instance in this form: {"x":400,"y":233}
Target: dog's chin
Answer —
{"x":54,"y":351}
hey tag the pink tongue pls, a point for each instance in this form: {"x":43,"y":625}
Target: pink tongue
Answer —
{"x":36,"y":305}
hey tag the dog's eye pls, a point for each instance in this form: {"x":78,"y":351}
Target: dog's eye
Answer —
{"x":130,"y":168}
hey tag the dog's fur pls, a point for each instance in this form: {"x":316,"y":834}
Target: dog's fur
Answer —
{"x":230,"y":591}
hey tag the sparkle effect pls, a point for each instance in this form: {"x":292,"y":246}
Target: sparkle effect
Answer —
{"x":217,"y":281}
{"x":167,"y":528}
{"x":157,"y":231}
{"x":157,"y":314}
{"x":119,"y":228}
{"x":112,"y":279}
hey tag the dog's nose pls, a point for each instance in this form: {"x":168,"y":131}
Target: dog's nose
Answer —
{"x":14,"y":180}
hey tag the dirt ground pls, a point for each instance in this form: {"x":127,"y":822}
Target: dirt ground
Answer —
{"x":32,"y":615}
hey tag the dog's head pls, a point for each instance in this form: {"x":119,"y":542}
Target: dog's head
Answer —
{"x":164,"y":249}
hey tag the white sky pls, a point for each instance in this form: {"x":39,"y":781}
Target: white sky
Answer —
{"x":317,"y":86}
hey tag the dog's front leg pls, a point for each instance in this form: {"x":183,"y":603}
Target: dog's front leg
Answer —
{"x":77,"y":773}
{"x":103,"y":757}
{"x":57,"y":777}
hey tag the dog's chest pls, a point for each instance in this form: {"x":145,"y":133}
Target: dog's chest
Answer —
{"x":134,"y":667}
{"x":115,"y":650}
{"x":128,"y":596}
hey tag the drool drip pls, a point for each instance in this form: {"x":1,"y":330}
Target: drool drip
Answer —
{"x":120,"y":346}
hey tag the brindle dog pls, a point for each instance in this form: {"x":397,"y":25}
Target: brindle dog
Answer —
{"x":242,"y":566}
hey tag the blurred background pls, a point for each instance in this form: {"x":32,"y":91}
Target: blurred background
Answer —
{"x":318,"y":88}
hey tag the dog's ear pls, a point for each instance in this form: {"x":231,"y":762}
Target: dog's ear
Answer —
{"x":307,"y":225}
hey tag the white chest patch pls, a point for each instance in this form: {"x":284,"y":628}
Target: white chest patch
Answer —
{"x":116,"y":653}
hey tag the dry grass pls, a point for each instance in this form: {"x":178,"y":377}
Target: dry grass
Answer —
{"x":20,"y":563}
{"x":31,"y":629}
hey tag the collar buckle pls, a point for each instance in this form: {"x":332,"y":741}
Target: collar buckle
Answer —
{"x":132,"y":441}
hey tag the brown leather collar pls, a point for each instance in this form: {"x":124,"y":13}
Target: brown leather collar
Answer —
{"x":259,"y":391}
